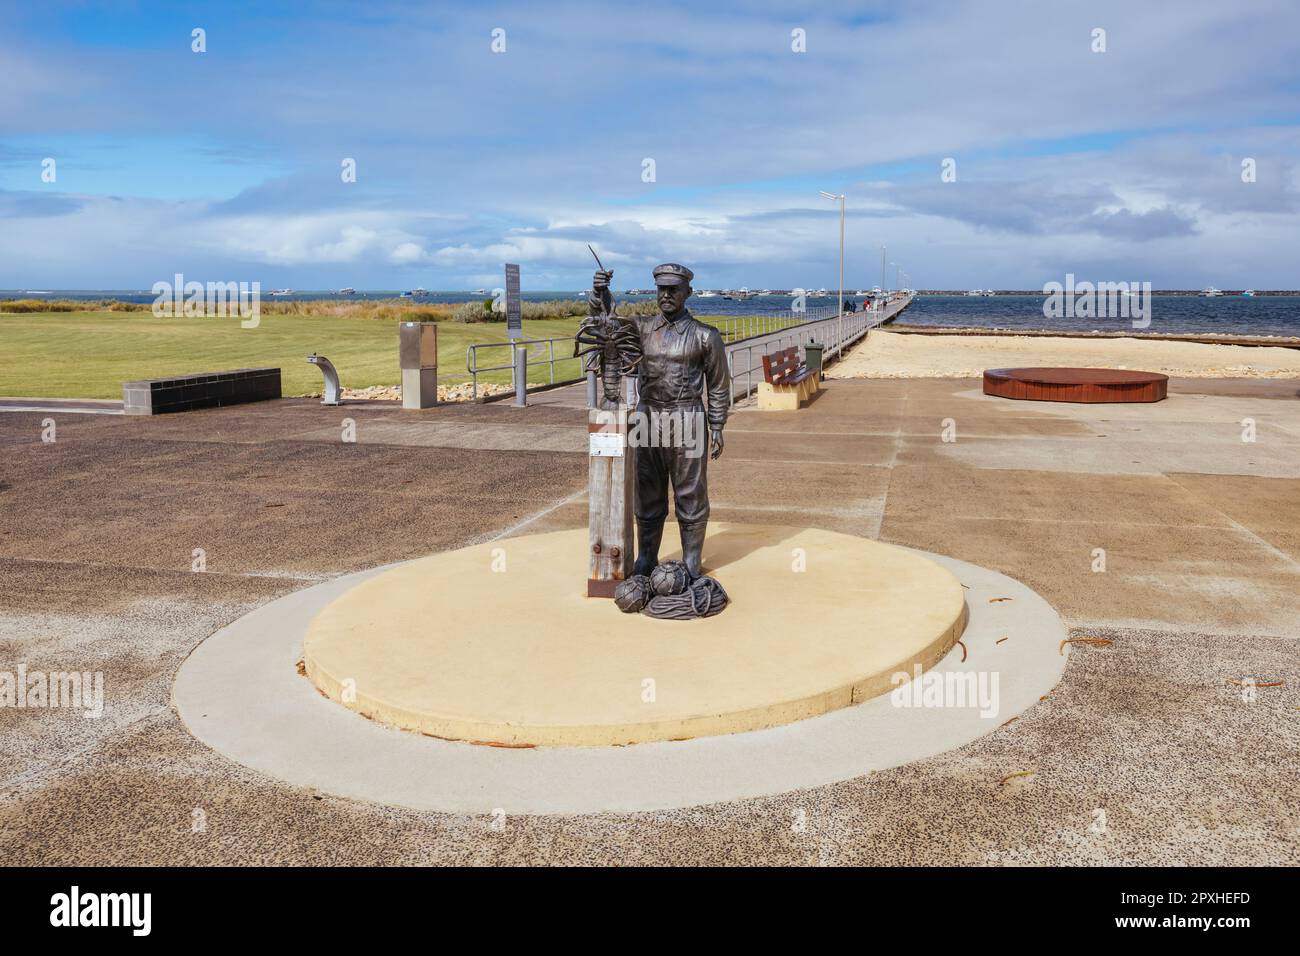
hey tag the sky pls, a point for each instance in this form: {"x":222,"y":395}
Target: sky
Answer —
{"x":986,"y":145}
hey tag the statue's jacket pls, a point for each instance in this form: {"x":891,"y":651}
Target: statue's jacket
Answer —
{"x":679,"y":360}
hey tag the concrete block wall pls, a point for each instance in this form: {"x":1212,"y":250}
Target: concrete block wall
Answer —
{"x":185,"y":393}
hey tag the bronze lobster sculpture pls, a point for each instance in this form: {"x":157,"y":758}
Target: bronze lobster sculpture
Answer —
{"x":612,"y":344}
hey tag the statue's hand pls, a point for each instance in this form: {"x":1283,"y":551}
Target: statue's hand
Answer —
{"x":716,"y":444}
{"x":601,"y":300}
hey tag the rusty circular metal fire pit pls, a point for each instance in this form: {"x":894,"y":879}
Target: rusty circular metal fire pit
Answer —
{"x":1075,"y":384}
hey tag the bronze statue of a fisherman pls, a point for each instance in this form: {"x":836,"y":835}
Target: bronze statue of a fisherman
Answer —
{"x":680,"y":361}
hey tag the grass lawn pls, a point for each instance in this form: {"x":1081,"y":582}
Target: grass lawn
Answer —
{"x":90,"y":354}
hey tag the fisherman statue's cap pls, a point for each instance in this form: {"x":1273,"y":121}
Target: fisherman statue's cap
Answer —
{"x":670,"y":273}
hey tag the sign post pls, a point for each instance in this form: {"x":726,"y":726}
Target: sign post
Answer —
{"x":615,"y":348}
{"x":611,"y":490}
{"x":514,"y":312}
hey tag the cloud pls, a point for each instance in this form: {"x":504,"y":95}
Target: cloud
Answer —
{"x":406,"y":253}
{"x":31,"y":205}
{"x":298,"y":240}
{"x":467,"y":159}
{"x":1142,"y":226}
{"x":1035,"y":208}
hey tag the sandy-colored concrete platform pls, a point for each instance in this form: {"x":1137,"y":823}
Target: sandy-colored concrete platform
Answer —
{"x":243,"y":680}
{"x":498,"y":643}
{"x":888,"y":354}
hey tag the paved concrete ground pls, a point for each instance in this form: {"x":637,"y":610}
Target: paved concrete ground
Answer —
{"x":1145,"y":752}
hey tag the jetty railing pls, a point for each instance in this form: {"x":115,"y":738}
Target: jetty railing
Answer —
{"x":835,"y":334}
{"x":740,"y":327}
{"x":747,"y":338}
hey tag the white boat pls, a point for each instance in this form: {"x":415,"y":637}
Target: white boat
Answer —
{"x":348,"y":291}
{"x":419,"y":292}
{"x":707,"y":294}
{"x":476,"y":291}
{"x":281,"y":292}
{"x":1211,"y":290}
{"x":1249,"y":293}
{"x":975,"y":292}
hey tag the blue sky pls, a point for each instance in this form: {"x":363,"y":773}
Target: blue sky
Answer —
{"x":225,"y":165}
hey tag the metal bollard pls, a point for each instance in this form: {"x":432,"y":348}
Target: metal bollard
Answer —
{"x":521,"y":376}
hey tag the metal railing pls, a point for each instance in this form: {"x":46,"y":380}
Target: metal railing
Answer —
{"x":834,"y":334}
{"x":545,"y":350}
{"x":741,"y":327}
{"x":748,"y":335}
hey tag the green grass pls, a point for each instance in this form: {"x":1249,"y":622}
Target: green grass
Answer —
{"x":89,"y":354}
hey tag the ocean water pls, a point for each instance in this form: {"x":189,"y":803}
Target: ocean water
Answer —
{"x":1170,"y":314}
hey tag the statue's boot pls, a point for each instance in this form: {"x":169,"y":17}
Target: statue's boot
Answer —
{"x":693,"y":545}
{"x":648,"y":536}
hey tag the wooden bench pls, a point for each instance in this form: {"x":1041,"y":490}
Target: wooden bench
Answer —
{"x":787,"y":382}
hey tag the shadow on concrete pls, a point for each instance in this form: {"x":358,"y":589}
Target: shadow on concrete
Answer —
{"x":727,"y":547}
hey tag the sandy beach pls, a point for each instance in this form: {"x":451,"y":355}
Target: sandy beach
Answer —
{"x":903,"y":355}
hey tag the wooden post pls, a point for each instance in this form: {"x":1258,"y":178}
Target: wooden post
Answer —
{"x":611,"y":486}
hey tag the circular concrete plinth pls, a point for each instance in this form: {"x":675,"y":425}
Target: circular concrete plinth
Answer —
{"x":498,"y":643}
{"x":240,"y":693}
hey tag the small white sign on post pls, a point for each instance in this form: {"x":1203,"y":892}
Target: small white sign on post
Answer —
{"x":607,"y":444}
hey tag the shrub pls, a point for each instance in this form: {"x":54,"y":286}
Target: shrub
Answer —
{"x":42,"y":305}
{"x":423,"y":315}
{"x":640,"y":307}
{"x":471,"y":312}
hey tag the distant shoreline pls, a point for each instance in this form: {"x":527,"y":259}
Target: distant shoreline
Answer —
{"x":1271,"y":315}
{"x":1277,"y":341}
{"x":331,"y":295}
